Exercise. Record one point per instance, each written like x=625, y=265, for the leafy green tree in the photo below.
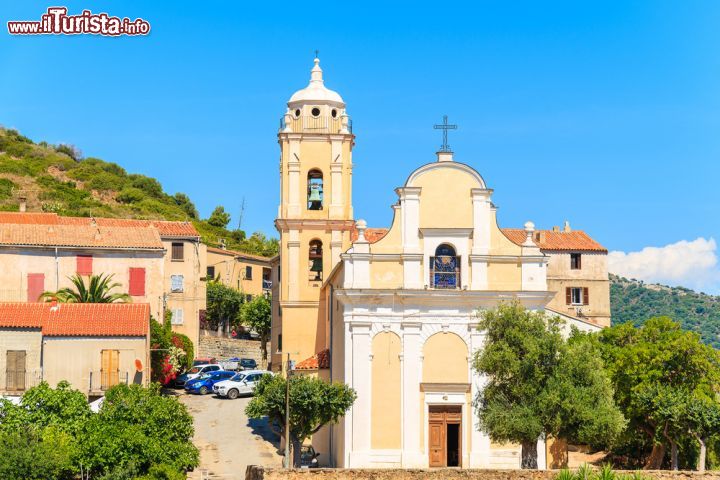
x=656, y=370
x=98, y=290
x=219, y=217
x=29, y=455
x=138, y=426
x=313, y=403
x=255, y=314
x=223, y=304
x=538, y=385
x=184, y=202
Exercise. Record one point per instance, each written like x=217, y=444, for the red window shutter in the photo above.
x=36, y=286
x=84, y=264
x=586, y=296
x=137, y=282
x=568, y=296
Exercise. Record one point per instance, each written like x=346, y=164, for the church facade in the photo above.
x=393, y=312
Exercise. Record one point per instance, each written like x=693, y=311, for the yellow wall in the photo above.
x=440, y=188
x=504, y=276
x=386, y=274
x=445, y=359
x=385, y=408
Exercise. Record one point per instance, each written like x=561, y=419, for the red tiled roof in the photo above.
x=371, y=234
x=164, y=228
x=575, y=240
x=234, y=253
x=79, y=236
x=79, y=319
x=318, y=361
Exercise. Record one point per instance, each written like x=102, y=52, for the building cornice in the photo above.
x=457, y=298
x=285, y=224
x=508, y=258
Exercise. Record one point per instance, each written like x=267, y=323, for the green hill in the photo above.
x=55, y=178
x=635, y=301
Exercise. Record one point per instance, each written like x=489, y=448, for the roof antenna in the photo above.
x=242, y=213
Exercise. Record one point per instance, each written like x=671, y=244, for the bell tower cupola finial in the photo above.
x=316, y=72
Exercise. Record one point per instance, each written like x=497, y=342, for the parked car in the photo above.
x=243, y=383
x=308, y=457
x=195, y=372
x=204, y=361
x=248, y=364
x=204, y=383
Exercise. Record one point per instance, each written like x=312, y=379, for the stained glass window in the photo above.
x=444, y=268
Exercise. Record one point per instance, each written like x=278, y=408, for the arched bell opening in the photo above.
x=315, y=190
x=315, y=261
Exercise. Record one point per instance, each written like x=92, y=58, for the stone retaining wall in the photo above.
x=255, y=472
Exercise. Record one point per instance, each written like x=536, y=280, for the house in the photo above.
x=157, y=262
x=93, y=346
x=243, y=271
x=393, y=312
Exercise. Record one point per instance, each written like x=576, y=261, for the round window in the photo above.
x=333, y=113
x=297, y=113
x=315, y=112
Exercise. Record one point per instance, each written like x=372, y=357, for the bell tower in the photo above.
x=315, y=215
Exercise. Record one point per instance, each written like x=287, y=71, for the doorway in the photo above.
x=445, y=436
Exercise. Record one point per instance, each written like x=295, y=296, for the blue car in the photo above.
x=204, y=383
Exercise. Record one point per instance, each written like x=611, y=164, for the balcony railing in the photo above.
x=310, y=124
x=17, y=382
x=101, y=381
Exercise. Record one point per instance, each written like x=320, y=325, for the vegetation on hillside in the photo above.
x=635, y=301
x=56, y=178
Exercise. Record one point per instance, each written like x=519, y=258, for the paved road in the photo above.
x=228, y=441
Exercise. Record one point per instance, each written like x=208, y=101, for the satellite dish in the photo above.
x=138, y=365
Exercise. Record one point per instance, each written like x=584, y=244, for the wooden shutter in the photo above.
x=15, y=370
x=586, y=296
x=110, y=368
x=137, y=282
x=568, y=295
x=36, y=286
x=84, y=264
x=178, y=252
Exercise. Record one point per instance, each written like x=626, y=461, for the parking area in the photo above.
x=228, y=441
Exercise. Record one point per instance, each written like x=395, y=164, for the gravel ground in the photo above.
x=228, y=441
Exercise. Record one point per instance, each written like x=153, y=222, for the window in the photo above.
x=279, y=343
x=279, y=311
x=315, y=112
x=35, y=286
x=315, y=261
x=211, y=273
x=248, y=272
x=15, y=370
x=178, y=252
x=177, y=316
x=315, y=190
x=577, y=296
x=248, y=298
x=278, y=273
x=137, y=282
x=445, y=268
x=176, y=283
x=84, y=265
x=575, y=261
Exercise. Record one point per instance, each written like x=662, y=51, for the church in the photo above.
x=393, y=312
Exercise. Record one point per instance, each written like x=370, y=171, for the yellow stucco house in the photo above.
x=393, y=312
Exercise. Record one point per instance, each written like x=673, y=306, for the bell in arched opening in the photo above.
x=315, y=190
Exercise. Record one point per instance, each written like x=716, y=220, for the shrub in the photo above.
x=130, y=195
x=6, y=188
x=29, y=455
x=148, y=185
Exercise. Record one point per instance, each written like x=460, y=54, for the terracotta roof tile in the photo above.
x=79, y=319
x=79, y=236
x=165, y=228
x=371, y=234
x=575, y=240
x=318, y=361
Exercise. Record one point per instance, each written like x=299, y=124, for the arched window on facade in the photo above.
x=445, y=268
x=315, y=261
x=315, y=190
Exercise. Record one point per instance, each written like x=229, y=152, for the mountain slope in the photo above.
x=55, y=178
x=635, y=301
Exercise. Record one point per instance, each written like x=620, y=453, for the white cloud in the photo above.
x=692, y=264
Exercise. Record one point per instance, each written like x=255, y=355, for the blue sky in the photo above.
x=606, y=114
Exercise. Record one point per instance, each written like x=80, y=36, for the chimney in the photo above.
x=556, y=228
x=23, y=203
x=566, y=227
x=54, y=305
x=222, y=243
x=540, y=237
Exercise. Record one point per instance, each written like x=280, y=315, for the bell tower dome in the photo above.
x=315, y=214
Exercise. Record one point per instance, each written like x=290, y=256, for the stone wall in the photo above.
x=254, y=472
x=225, y=348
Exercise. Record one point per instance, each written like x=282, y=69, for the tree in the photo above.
x=656, y=370
x=138, y=427
x=313, y=403
x=25, y=453
x=223, y=304
x=219, y=217
x=255, y=314
x=538, y=385
x=98, y=290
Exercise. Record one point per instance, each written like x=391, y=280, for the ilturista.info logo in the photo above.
x=57, y=22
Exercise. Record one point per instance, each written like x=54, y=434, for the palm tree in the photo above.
x=99, y=290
